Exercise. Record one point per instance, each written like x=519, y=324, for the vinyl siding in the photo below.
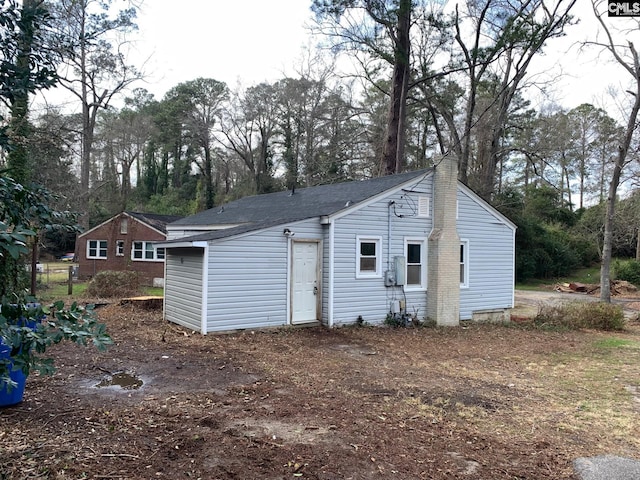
x=182, y=233
x=368, y=297
x=183, y=287
x=490, y=257
x=248, y=286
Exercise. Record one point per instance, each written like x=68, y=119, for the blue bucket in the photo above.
x=13, y=397
x=8, y=398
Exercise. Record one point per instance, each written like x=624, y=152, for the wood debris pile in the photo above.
x=618, y=288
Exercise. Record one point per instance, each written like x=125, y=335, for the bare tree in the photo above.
x=627, y=57
x=495, y=41
x=249, y=127
x=90, y=41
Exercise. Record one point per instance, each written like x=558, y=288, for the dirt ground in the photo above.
x=475, y=402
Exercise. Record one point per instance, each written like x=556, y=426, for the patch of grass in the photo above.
x=583, y=275
x=612, y=343
x=59, y=291
x=155, y=291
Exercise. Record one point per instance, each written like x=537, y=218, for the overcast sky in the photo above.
x=252, y=41
x=228, y=40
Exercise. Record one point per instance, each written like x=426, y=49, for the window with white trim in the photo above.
x=145, y=251
x=464, y=263
x=119, y=248
x=368, y=257
x=416, y=273
x=124, y=226
x=97, y=249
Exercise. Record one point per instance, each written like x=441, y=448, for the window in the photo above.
x=124, y=225
x=368, y=262
x=97, y=249
x=464, y=263
x=145, y=251
x=414, y=252
x=120, y=248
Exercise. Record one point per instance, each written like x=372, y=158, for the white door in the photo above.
x=305, y=289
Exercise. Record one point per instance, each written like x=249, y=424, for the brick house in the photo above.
x=125, y=242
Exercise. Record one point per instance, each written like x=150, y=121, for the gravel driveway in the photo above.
x=604, y=467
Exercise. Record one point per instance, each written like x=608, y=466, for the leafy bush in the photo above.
x=110, y=284
x=596, y=315
x=27, y=330
x=628, y=270
x=544, y=251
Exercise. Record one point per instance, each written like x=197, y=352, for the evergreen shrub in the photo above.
x=628, y=270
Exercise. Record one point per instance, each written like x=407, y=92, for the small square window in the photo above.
x=368, y=261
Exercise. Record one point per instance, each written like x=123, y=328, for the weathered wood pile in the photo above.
x=618, y=287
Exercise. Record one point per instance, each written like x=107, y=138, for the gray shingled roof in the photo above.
x=159, y=222
x=263, y=211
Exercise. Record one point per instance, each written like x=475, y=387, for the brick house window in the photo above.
x=120, y=248
x=97, y=249
x=145, y=251
x=124, y=226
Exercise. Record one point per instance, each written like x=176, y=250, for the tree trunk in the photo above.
x=621, y=160
x=393, y=147
x=605, y=266
x=208, y=178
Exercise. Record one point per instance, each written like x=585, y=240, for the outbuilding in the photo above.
x=340, y=254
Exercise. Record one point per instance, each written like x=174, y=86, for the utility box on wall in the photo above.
x=400, y=267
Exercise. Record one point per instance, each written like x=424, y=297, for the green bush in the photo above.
x=628, y=270
x=110, y=284
x=27, y=330
x=596, y=315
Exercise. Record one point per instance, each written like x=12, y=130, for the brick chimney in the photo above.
x=443, y=260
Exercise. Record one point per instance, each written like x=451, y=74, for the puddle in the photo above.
x=124, y=380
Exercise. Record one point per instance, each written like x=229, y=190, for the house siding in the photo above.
x=369, y=297
x=248, y=275
x=177, y=233
x=490, y=256
x=110, y=232
x=183, y=287
x=248, y=278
